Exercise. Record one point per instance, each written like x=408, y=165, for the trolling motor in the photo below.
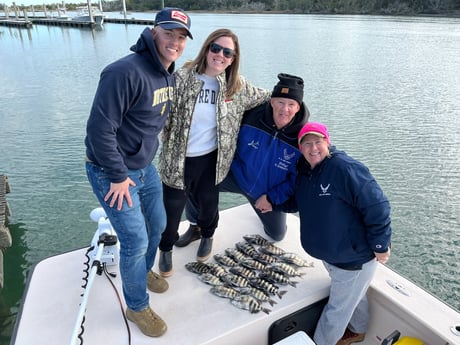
x=106, y=235
x=104, y=251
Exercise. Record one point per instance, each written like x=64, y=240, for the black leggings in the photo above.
x=200, y=180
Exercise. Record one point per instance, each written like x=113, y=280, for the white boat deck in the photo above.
x=195, y=316
x=192, y=313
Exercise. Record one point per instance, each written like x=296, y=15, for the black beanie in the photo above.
x=289, y=86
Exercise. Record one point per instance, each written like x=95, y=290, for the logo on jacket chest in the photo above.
x=324, y=190
x=286, y=160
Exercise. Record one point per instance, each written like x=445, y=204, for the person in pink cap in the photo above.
x=345, y=222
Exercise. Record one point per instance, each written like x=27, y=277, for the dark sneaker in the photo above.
x=350, y=337
x=193, y=233
x=155, y=283
x=204, y=250
x=148, y=321
x=165, y=264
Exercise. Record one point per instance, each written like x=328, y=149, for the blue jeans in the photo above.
x=274, y=222
x=347, y=305
x=138, y=228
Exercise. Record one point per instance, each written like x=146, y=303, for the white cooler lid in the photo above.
x=298, y=338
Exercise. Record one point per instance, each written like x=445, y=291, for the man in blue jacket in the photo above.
x=264, y=167
x=129, y=110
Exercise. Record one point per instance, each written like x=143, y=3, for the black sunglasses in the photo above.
x=216, y=48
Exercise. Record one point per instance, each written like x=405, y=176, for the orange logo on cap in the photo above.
x=285, y=90
x=179, y=16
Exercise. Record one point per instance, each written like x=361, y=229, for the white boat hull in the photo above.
x=195, y=316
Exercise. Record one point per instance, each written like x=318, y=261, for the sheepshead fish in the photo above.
x=258, y=294
x=210, y=279
x=243, y=271
x=293, y=258
x=253, y=264
x=234, y=280
x=266, y=286
x=276, y=278
x=224, y=291
x=271, y=249
x=246, y=248
x=197, y=267
x=256, y=239
x=216, y=269
x=249, y=303
x=225, y=260
x=236, y=254
x=265, y=258
x=285, y=269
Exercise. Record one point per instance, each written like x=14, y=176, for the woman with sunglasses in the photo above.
x=199, y=138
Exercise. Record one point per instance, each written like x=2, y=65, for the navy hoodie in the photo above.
x=344, y=215
x=129, y=110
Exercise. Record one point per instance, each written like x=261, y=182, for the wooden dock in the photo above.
x=20, y=23
x=129, y=21
x=63, y=22
x=27, y=23
x=5, y=236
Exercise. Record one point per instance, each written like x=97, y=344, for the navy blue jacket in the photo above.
x=266, y=157
x=344, y=215
x=129, y=110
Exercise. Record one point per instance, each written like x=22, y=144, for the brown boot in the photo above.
x=350, y=337
x=155, y=283
x=148, y=321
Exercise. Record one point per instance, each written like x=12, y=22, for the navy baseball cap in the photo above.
x=174, y=18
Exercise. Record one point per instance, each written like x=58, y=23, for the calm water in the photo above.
x=389, y=89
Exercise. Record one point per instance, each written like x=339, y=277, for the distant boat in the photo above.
x=83, y=15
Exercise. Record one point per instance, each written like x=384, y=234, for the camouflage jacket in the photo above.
x=229, y=115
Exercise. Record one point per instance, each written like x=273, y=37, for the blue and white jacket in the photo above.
x=266, y=157
x=344, y=215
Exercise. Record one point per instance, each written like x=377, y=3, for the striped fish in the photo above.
x=225, y=260
x=216, y=269
x=210, y=279
x=249, y=303
x=234, y=280
x=266, y=286
x=197, y=267
x=285, y=269
x=276, y=278
x=236, y=254
x=292, y=258
x=258, y=294
x=271, y=249
x=253, y=264
x=246, y=248
x=224, y=291
x=256, y=239
x=243, y=271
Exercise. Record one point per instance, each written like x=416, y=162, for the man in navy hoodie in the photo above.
x=129, y=110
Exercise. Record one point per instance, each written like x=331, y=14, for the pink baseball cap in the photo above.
x=315, y=128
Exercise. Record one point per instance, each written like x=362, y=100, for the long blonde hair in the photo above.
x=231, y=72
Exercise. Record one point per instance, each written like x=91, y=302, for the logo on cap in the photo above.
x=179, y=16
x=284, y=90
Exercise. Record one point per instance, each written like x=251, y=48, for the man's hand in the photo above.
x=120, y=191
x=383, y=257
x=263, y=205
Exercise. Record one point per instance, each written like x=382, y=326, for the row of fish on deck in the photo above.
x=251, y=273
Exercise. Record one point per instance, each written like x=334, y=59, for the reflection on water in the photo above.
x=388, y=89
